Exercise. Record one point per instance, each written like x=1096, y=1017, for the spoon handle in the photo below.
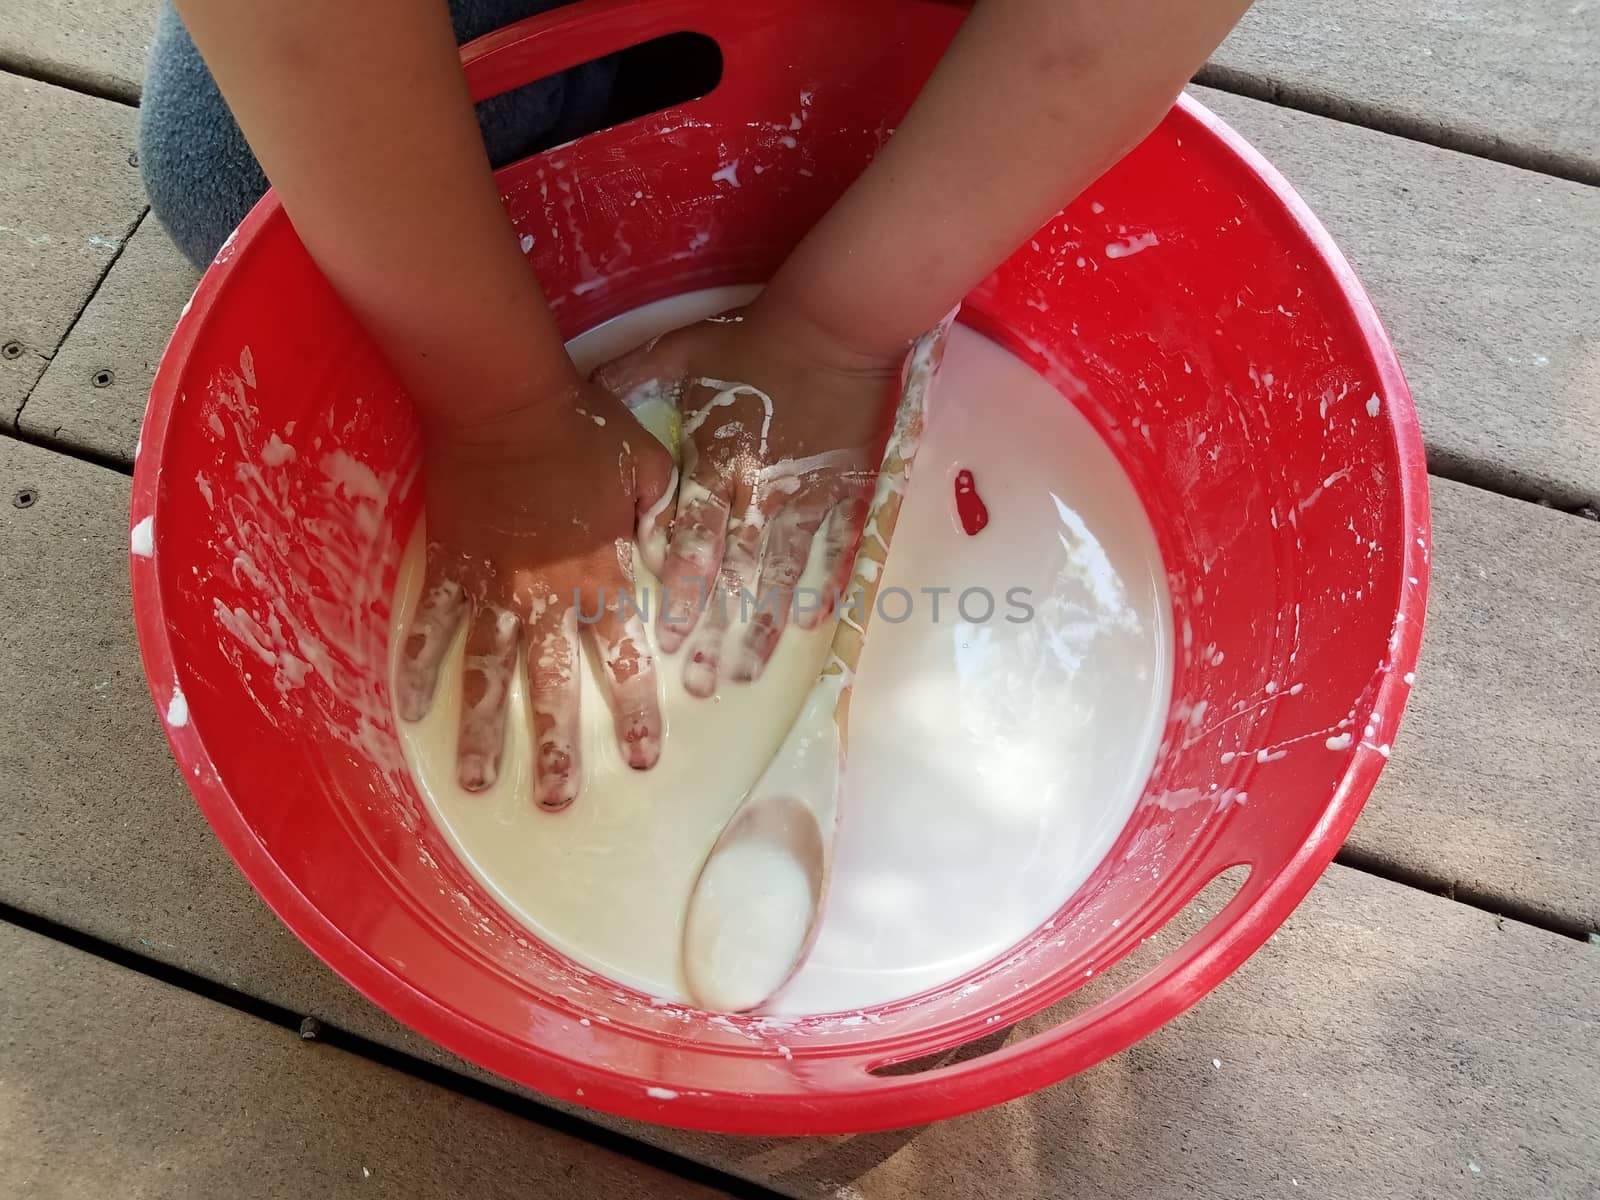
x=917, y=374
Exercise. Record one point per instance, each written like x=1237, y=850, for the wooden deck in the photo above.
x=1425, y=1024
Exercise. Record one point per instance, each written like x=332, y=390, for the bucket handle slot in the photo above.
x=1285, y=861
x=569, y=36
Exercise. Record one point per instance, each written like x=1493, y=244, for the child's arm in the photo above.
x=361, y=118
x=1032, y=102
x=359, y=114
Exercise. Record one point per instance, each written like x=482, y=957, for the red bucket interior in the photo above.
x=1188, y=304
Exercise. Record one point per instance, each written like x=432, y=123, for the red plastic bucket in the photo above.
x=1188, y=303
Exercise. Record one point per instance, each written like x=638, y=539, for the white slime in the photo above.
x=992, y=761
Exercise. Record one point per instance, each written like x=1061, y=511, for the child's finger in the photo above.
x=788, y=546
x=553, y=691
x=841, y=537
x=655, y=527
x=486, y=670
x=428, y=638
x=628, y=677
x=656, y=497
x=704, y=657
x=694, y=553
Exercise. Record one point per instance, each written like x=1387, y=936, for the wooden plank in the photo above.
x=1447, y=245
x=116, y=1084
x=1488, y=278
x=96, y=45
x=1496, y=76
x=1502, y=77
x=1491, y=787
x=69, y=195
x=92, y=395
x=100, y=814
x=1384, y=1044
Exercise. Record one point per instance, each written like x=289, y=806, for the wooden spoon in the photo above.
x=754, y=909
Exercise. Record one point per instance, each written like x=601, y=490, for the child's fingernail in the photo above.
x=748, y=668
x=700, y=675
x=643, y=747
x=640, y=738
x=558, y=795
x=475, y=772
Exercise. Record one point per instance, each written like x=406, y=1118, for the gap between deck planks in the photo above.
x=91, y=396
x=69, y=196
x=1502, y=78
x=170, y=1095
x=1446, y=818
x=94, y=46
x=1426, y=1030
x=1509, y=79
x=1549, y=277
x=1488, y=278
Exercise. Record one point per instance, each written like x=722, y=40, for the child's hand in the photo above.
x=527, y=517
x=783, y=430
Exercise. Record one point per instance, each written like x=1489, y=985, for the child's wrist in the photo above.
x=804, y=329
x=468, y=415
x=480, y=397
